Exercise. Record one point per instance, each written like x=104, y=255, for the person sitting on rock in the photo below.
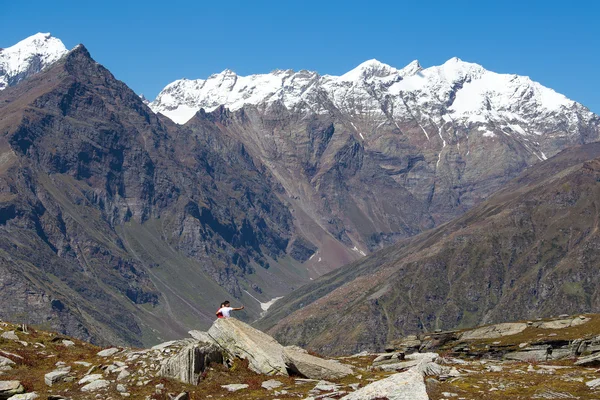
x=225, y=310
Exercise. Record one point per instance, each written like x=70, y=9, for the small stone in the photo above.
x=324, y=386
x=55, y=376
x=494, y=368
x=10, y=335
x=121, y=388
x=234, y=387
x=123, y=374
x=84, y=363
x=95, y=385
x=6, y=362
x=68, y=343
x=90, y=378
x=108, y=352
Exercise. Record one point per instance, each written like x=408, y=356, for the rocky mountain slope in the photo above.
x=528, y=251
x=119, y=226
x=380, y=153
x=28, y=57
x=555, y=358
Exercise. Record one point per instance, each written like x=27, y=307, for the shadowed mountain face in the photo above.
x=119, y=226
x=531, y=250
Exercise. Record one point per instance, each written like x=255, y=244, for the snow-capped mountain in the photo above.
x=454, y=91
x=28, y=57
x=380, y=153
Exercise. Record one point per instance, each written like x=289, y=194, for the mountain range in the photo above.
x=129, y=222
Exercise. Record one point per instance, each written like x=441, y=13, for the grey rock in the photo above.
x=121, y=388
x=84, y=363
x=314, y=367
x=495, y=331
x=407, y=385
x=55, y=376
x=234, y=387
x=593, y=384
x=10, y=388
x=90, y=378
x=95, y=385
x=10, y=335
x=271, y=384
x=188, y=363
x=108, y=352
x=6, y=361
x=589, y=361
x=201, y=336
x=265, y=354
x=68, y=343
x=180, y=396
x=123, y=374
x=24, y=396
x=325, y=386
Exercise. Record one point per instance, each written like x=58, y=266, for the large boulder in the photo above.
x=191, y=360
x=407, y=385
x=265, y=354
x=314, y=367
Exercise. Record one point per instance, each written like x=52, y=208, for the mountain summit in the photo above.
x=28, y=57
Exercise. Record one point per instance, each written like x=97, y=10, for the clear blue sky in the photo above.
x=148, y=44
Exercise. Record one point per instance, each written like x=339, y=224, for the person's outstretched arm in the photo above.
x=239, y=308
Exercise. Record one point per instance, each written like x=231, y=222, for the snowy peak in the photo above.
x=457, y=91
x=369, y=69
x=411, y=69
x=28, y=57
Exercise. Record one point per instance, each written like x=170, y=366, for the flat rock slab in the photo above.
x=407, y=385
x=563, y=323
x=495, y=331
x=95, y=385
x=234, y=387
x=271, y=384
x=314, y=367
x=10, y=388
x=265, y=354
x=55, y=376
x=108, y=352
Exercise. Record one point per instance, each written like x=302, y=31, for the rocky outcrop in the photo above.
x=238, y=339
x=190, y=361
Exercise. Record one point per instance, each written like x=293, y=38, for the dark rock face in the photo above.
x=528, y=251
x=119, y=226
